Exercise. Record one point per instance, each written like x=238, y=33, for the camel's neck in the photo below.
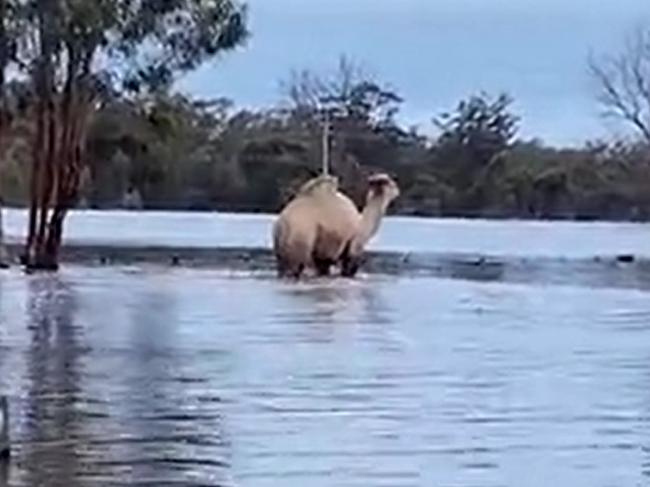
x=371, y=216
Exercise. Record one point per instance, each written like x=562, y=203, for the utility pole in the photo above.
x=328, y=107
x=326, y=144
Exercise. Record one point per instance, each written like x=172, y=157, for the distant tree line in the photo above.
x=159, y=149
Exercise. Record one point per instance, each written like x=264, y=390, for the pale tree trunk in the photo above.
x=62, y=118
x=4, y=118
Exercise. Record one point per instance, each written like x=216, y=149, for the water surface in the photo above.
x=498, y=238
x=147, y=376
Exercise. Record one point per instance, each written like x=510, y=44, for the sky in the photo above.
x=436, y=52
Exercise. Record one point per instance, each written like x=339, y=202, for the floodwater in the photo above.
x=506, y=238
x=156, y=376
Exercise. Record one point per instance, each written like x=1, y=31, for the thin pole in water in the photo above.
x=5, y=448
x=4, y=261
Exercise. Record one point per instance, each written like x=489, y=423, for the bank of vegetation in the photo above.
x=166, y=150
x=89, y=118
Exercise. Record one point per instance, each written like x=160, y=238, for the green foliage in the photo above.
x=141, y=45
x=79, y=54
x=480, y=123
x=471, y=138
x=182, y=153
x=155, y=40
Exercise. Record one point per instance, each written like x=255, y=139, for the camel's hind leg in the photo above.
x=287, y=269
x=291, y=272
x=282, y=269
x=293, y=261
x=350, y=267
x=297, y=271
x=322, y=266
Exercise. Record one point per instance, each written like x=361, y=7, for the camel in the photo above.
x=321, y=227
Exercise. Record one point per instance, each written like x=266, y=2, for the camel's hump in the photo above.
x=319, y=182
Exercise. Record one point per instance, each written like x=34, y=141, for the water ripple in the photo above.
x=196, y=378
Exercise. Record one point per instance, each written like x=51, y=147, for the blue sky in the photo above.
x=436, y=52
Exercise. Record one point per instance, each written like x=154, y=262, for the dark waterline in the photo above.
x=129, y=376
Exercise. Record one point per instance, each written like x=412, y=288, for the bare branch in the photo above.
x=638, y=65
x=624, y=84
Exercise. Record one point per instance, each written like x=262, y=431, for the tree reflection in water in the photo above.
x=52, y=448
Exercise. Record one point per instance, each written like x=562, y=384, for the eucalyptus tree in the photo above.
x=78, y=54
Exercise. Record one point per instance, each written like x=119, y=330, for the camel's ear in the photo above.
x=379, y=180
x=389, y=176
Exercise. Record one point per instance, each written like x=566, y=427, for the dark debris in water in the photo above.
x=625, y=258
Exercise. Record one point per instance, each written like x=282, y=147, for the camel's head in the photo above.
x=382, y=186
